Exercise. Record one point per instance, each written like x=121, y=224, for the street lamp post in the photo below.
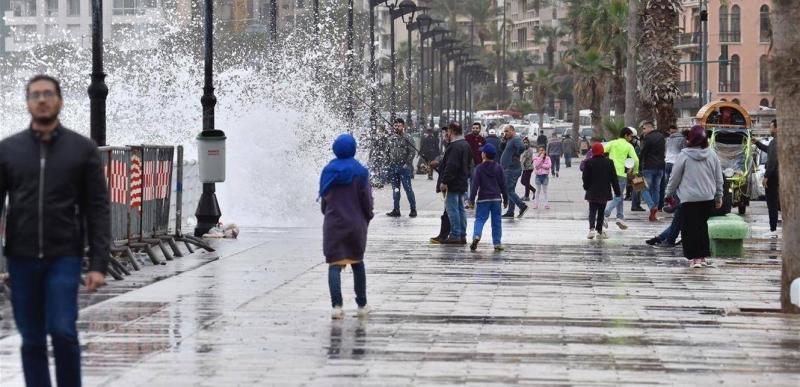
x=316, y=17
x=208, y=212
x=395, y=12
x=273, y=20
x=98, y=91
x=373, y=113
x=350, y=114
x=408, y=9
x=423, y=24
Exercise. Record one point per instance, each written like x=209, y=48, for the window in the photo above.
x=735, y=76
x=522, y=35
x=25, y=33
x=73, y=8
x=764, y=102
x=765, y=30
x=735, y=26
x=763, y=74
x=132, y=7
x=723, y=75
x=52, y=8
x=723, y=23
x=523, y=6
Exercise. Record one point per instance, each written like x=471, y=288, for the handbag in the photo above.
x=638, y=183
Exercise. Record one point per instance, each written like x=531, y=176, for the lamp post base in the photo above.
x=208, y=212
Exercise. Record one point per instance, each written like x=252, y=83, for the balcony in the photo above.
x=687, y=88
x=730, y=37
x=729, y=87
x=690, y=40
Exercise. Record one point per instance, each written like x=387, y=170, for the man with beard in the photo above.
x=429, y=151
x=57, y=200
x=401, y=158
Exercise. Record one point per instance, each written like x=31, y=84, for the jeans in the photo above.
x=526, y=182
x=541, y=190
x=664, y=181
x=618, y=200
x=652, y=194
x=482, y=212
x=773, y=202
x=457, y=214
x=512, y=175
x=402, y=176
x=44, y=297
x=359, y=279
x=567, y=160
x=596, y=215
x=670, y=235
x=556, y=160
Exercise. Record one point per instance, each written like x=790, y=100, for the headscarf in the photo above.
x=598, y=149
x=698, y=137
x=342, y=169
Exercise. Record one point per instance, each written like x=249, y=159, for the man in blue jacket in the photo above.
x=512, y=168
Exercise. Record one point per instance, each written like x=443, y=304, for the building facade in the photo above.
x=739, y=36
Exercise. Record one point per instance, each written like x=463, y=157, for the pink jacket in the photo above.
x=541, y=165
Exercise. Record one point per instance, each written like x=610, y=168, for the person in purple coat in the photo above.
x=346, y=200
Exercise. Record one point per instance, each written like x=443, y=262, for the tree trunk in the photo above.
x=521, y=84
x=630, y=69
x=576, y=118
x=665, y=116
x=541, y=118
x=785, y=73
x=605, y=104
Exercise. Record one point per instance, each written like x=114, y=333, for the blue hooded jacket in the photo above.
x=342, y=169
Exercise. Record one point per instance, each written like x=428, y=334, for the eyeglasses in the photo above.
x=47, y=94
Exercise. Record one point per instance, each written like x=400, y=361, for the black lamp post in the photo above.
x=316, y=17
x=424, y=23
x=98, y=91
x=373, y=113
x=349, y=114
x=438, y=35
x=208, y=212
x=273, y=20
x=408, y=10
x=395, y=12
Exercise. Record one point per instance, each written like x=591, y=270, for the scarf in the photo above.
x=342, y=169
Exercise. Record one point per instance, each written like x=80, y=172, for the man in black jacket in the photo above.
x=652, y=157
x=771, y=182
x=458, y=164
x=56, y=189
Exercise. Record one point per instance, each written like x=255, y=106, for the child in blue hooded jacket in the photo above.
x=489, y=186
x=346, y=200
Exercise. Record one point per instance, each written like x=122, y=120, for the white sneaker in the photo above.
x=770, y=235
x=602, y=235
x=621, y=224
x=591, y=235
x=605, y=221
x=363, y=311
x=337, y=313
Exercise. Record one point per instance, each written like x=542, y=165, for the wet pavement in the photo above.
x=554, y=309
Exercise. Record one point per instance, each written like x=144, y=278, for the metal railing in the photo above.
x=730, y=37
x=689, y=38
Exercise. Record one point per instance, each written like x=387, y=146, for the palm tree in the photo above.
x=550, y=36
x=630, y=63
x=541, y=84
x=785, y=74
x=449, y=9
x=481, y=12
x=659, y=70
x=518, y=61
x=591, y=69
x=603, y=25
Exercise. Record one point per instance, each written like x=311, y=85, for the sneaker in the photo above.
x=363, y=311
x=454, y=241
x=591, y=235
x=337, y=313
x=508, y=215
x=393, y=214
x=653, y=241
x=546, y=206
x=652, y=216
x=522, y=211
x=556, y=174
x=696, y=264
x=637, y=209
x=605, y=221
x=474, y=245
x=770, y=235
x=412, y=214
x=526, y=199
x=535, y=206
x=703, y=262
x=602, y=235
x=436, y=240
x=621, y=224
x=499, y=248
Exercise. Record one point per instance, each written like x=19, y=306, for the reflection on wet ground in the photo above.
x=554, y=309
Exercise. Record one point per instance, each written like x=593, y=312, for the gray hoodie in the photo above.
x=696, y=176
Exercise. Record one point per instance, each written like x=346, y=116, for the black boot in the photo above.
x=394, y=214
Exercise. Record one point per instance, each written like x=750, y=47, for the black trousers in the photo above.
x=526, y=182
x=694, y=229
x=596, y=211
x=773, y=203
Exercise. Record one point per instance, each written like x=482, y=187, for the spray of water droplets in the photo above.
x=280, y=106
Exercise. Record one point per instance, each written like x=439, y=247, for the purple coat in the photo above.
x=347, y=210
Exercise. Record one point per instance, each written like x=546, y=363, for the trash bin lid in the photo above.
x=211, y=135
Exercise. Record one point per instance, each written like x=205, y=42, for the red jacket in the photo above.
x=476, y=141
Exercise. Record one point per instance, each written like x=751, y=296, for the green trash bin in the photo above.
x=727, y=234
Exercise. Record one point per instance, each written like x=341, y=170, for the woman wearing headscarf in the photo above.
x=697, y=180
x=346, y=199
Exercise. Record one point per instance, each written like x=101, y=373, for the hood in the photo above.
x=698, y=154
x=490, y=169
x=344, y=147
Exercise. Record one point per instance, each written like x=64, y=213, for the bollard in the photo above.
x=727, y=234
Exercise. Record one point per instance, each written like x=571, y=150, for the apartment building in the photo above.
x=525, y=20
x=738, y=44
